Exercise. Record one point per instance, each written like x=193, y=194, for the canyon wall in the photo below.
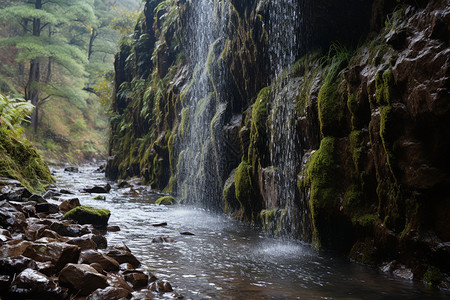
x=326, y=121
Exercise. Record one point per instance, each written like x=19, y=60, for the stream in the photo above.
x=227, y=259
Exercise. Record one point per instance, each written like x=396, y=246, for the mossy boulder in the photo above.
x=166, y=200
x=89, y=215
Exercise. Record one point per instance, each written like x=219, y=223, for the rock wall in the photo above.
x=345, y=148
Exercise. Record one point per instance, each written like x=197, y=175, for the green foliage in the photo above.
x=13, y=112
x=386, y=135
x=433, y=276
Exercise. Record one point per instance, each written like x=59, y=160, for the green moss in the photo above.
x=183, y=124
x=384, y=82
x=433, y=276
x=386, y=134
x=21, y=161
x=267, y=218
x=244, y=189
x=356, y=143
x=364, y=252
x=353, y=200
x=331, y=109
x=89, y=215
x=320, y=175
x=166, y=200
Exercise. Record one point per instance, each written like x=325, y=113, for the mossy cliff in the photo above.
x=366, y=123
x=20, y=160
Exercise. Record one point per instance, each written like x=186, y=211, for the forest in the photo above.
x=224, y=149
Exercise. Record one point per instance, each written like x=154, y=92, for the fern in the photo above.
x=13, y=112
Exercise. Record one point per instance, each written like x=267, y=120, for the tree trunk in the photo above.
x=32, y=90
x=94, y=34
x=49, y=65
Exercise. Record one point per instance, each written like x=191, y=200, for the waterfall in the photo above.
x=201, y=100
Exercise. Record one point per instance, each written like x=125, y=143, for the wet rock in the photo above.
x=109, y=293
x=122, y=184
x=11, y=218
x=46, y=268
x=99, y=197
x=137, y=279
x=163, y=239
x=91, y=256
x=123, y=256
x=37, y=198
x=35, y=285
x=186, y=233
x=82, y=279
x=15, y=265
x=98, y=189
x=47, y=208
x=14, y=248
x=19, y=194
x=34, y=231
x=66, y=192
x=69, y=204
x=51, y=194
x=166, y=200
x=159, y=224
x=126, y=267
x=67, y=228
x=160, y=287
x=85, y=242
x=4, y=283
x=97, y=267
x=88, y=215
x=116, y=280
x=114, y=228
x=57, y=253
x=29, y=210
x=10, y=182
x=100, y=169
x=71, y=169
x=100, y=240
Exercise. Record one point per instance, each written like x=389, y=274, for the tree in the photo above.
x=39, y=51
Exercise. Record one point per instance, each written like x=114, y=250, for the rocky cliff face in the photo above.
x=290, y=125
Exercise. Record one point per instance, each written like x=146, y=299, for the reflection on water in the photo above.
x=226, y=259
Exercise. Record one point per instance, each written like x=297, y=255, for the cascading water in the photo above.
x=197, y=166
x=285, y=152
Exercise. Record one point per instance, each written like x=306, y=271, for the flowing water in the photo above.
x=226, y=259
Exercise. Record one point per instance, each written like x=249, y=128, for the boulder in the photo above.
x=15, y=265
x=11, y=218
x=85, y=242
x=51, y=194
x=116, y=280
x=82, y=279
x=160, y=286
x=66, y=192
x=136, y=278
x=13, y=193
x=98, y=189
x=69, y=204
x=89, y=215
x=14, y=248
x=31, y=284
x=71, y=169
x=124, y=256
x=113, y=228
x=47, y=208
x=109, y=293
x=67, y=228
x=91, y=256
x=57, y=253
x=37, y=198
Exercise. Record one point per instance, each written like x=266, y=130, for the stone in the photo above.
x=67, y=228
x=89, y=215
x=186, y=233
x=91, y=256
x=100, y=240
x=82, y=278
x=137, y=279
x=14, y=248
x=51, y=194
x=159, y=224
x=97, y=267
x=35, y=285
x=160, y=286
x=85, y=242
x=11, y=218
x=71, y=169
x=166, y=200
x=15, y=265
x=57, y=253
x=66, y=192
x=126, y=267
x=98, y=189
x=69, y=204
x=116, y=280
x=19, y=194
x=163, y=239
x=47, y=208
x=123, y=256
x=109, y=293
x=4, y=283
x=37, y=198
x=99, y=197
x=113, y=228
x=34, y=231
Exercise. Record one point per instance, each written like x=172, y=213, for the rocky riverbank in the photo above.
x=56, y=249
